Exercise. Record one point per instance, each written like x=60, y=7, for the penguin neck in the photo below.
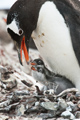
x=48, y=73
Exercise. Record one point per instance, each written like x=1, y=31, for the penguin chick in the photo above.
x=48, y=78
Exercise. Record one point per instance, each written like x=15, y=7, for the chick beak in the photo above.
x=33, y=63
x=24, y=48
x=33, y=68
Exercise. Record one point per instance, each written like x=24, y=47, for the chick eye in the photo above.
x=39, y=62
x=20, y=31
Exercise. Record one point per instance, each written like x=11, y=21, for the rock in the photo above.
x=77, y=114
x=34, y=109
x=4, y=117
x=20, y=109
x=30, y=105
x=67, y=114
x=37, y=103
x=62, y=104
x=52, y=119
x=75, y=108
x=9, y=84
x=33, y=118
x=22, y=93
x=71, y=104
x=44, y=100
x=3, y=69
x=78, y=104
x=77, y=94
x=69, y=109
x=71, y=97
x=46, y=115
x=53, y=106
x=61, y=118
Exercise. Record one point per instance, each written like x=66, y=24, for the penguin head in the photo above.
x=21, y=21
x=38, y=70
x=38, y=65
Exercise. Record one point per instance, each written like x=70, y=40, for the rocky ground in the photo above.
x=20, y=97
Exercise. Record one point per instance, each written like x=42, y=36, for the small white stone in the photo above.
x=70, y=104
x=3, y=69
x=67, y=114
x=62, y=103
x=68, y=109
x=36, y=103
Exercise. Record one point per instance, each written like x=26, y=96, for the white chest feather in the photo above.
x=39, y=77
x=53, y=40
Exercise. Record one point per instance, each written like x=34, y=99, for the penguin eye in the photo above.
x=20, y=31
x=39, y=62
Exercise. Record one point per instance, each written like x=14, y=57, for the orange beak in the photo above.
x=23, y=47
x=33, y=68
x=33, y=63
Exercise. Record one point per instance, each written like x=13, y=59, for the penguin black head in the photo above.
x=38, y=70
x=37, y=62
x=38, y=65
x=21, y=21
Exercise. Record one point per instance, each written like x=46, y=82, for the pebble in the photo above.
x=67, y=114
x=69, y=109
x=46, y=115
x=62, y=104
x=77, y=114
x=50, y=105
x=71, y=104
x=20, y=110
x=3, y=69
x=37, y=103
x=75, y=108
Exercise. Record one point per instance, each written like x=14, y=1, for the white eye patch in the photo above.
x=14, y=27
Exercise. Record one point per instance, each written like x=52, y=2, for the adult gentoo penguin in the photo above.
x=55, y=27
x=48, y=78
